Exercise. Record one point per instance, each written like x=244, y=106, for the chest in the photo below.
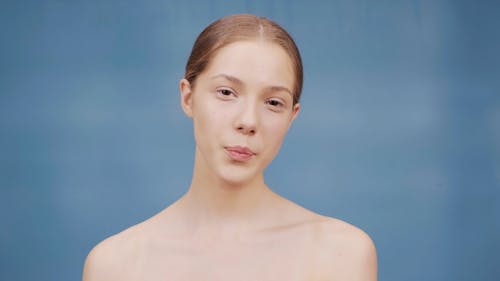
x=241, y=260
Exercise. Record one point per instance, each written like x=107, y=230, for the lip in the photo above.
x=239, y=153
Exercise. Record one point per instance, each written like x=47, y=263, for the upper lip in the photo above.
x=240, y=149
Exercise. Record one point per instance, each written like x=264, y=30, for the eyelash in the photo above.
x=225, y=92
x=277, y=103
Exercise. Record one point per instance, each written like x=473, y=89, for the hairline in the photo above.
x=261, y=38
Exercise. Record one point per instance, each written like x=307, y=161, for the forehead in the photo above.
x=257, y=61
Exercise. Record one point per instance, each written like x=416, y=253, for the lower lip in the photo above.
x=238, y=156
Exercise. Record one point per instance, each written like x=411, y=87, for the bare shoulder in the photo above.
x=347, y=252
x=343, y=235
x=341, y=251
x=108, y=259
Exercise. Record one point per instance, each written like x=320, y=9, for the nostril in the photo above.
x=245, y=130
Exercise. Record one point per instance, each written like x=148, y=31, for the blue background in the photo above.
x=399, y=131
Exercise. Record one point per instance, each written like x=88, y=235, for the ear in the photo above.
x=186, y=97
x=295, y=111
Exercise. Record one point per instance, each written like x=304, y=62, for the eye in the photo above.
x=275, y=103
x=225, y=93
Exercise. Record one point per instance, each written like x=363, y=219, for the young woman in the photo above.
x=241, y=88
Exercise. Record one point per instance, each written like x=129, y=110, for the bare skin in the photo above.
x=230, y=225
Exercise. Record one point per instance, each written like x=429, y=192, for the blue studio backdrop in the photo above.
x=399, y=131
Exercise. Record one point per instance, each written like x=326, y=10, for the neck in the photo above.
x=212, y=201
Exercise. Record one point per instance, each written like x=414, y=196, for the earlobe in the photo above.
x=186, y=97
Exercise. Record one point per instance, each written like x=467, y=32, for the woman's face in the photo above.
x=242, y=106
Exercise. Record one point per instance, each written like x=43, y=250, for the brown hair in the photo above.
x=239, y=27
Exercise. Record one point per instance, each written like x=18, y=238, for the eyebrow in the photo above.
x=239, y=82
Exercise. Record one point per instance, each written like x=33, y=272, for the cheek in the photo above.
x=275, y=131
x=208, y=121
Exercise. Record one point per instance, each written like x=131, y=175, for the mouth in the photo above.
x=239, y=153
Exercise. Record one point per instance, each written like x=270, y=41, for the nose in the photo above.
x=247, y=119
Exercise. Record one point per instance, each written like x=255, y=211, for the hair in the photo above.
x=242, y=27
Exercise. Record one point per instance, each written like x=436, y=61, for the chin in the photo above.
x=238, y=177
